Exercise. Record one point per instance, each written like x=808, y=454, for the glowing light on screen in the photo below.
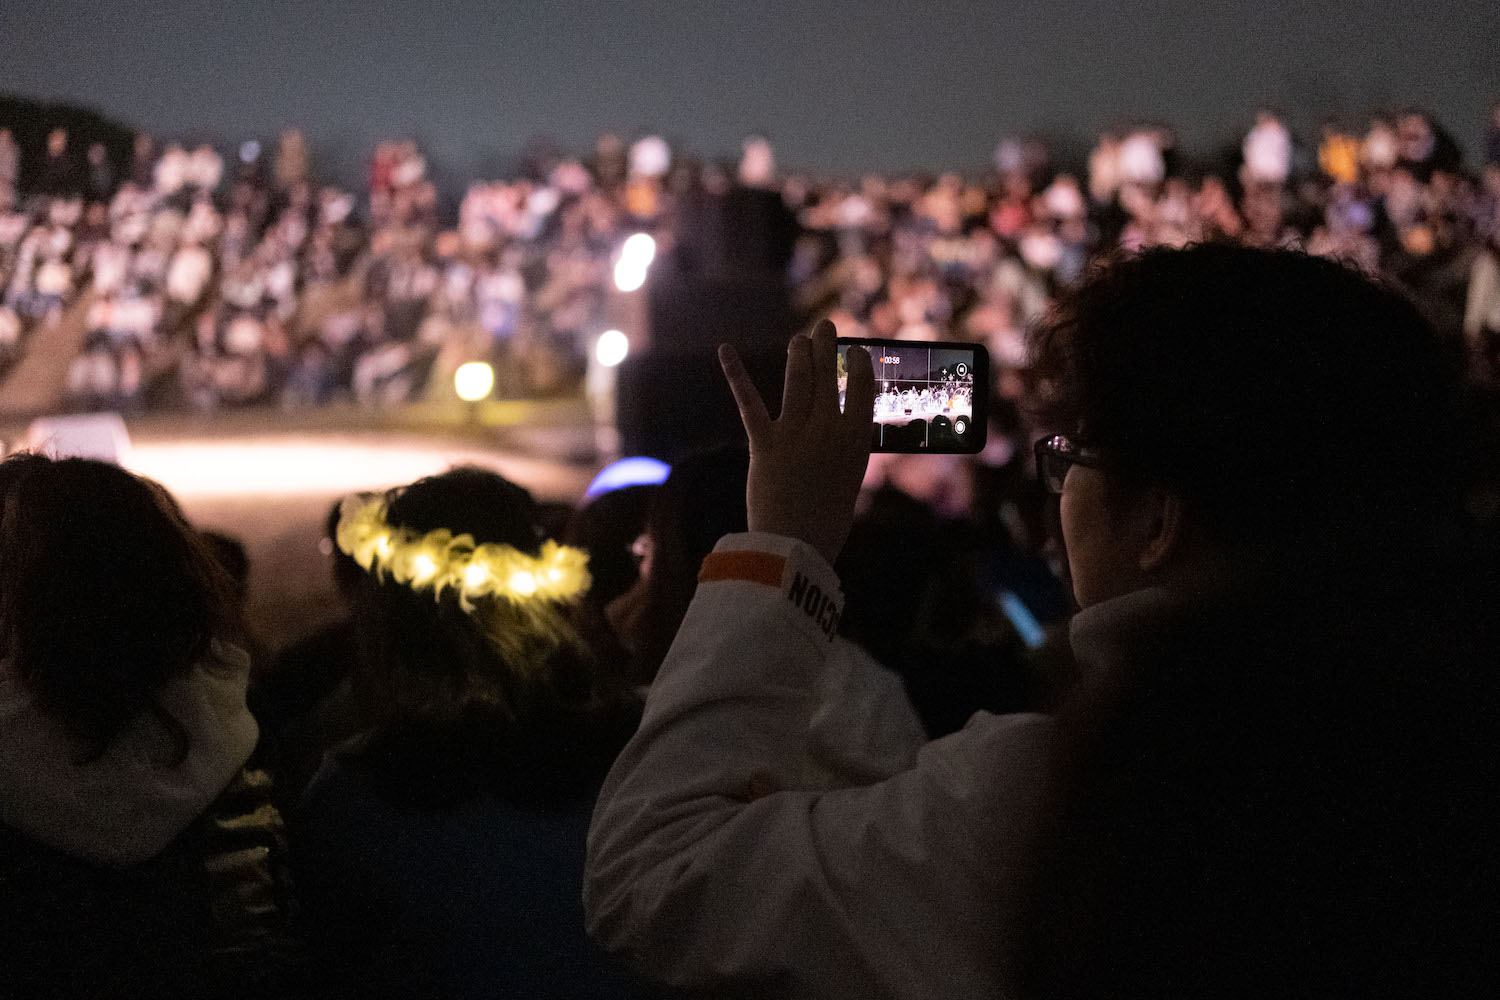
x=473, y=381
x=611, y=348
x=636, y=471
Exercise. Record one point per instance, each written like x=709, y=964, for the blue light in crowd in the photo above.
x=1021, y=617
x=638, y=471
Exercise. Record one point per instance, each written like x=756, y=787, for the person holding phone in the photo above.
x=713, y=858
x=1259, y=450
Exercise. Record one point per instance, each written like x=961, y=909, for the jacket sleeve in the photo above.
x=864, y=728
x=711, y=863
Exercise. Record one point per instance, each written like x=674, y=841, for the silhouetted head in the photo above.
x=106, y=592
x=607, y=527
x=451, y=704
x=1226, y=398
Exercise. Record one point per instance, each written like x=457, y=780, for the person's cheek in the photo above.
x=1087, y=550
x=1072, y=542
x=1069, y=508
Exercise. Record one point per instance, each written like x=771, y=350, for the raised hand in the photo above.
x=806, y=466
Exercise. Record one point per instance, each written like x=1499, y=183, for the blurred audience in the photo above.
x=251, y=284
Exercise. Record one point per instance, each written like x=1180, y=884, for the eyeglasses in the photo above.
x=1055, y=455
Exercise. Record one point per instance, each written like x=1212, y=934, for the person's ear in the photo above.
x=1164, y=529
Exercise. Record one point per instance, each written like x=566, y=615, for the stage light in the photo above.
x=473, y=381
x=522, y=583
x=629, y=277
x=636, y=471
x=611, y=348
x=639, y=247
x=636, y=255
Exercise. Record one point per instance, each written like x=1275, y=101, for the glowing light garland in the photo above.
x=439, y=560
x=521, y=618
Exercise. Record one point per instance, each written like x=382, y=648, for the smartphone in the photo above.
x=931, y=397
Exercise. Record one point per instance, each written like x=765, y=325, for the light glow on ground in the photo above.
x=328, y=465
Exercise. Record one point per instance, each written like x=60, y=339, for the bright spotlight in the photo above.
x=629, y=276
x=639, y=247
x=636, y=255
x=611, y=348
x=473, y=381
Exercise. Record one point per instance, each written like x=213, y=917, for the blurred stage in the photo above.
x=269, y=479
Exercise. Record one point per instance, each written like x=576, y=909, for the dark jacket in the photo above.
x=1279, y=789
x=423, y=879
x=209, y=917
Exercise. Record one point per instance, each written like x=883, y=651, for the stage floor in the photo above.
x=272, y=490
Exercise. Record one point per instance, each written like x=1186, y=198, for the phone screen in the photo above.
x=930, y=397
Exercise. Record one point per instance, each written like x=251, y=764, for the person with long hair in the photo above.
x=138, y=855
x=442, y=848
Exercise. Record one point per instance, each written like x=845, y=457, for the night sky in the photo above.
x=842, y=85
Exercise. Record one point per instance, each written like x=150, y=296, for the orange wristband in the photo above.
x=752, y=567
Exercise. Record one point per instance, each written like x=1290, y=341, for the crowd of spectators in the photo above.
x=213, y=281
x=780, y=741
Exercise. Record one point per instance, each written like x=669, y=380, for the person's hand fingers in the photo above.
x=796, y=393
x=825, y=362
x=752, y=408
x=859, y=390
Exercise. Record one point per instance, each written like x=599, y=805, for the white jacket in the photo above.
x=715, y=860
x=126, y=805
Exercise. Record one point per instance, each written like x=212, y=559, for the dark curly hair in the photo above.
x=1283, y=395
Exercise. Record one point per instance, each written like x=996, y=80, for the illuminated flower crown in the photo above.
x=521, y=618
x=440, y=560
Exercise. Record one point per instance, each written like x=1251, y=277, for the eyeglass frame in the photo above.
x=1061, y=447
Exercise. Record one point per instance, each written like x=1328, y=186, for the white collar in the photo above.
x=125, y=807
